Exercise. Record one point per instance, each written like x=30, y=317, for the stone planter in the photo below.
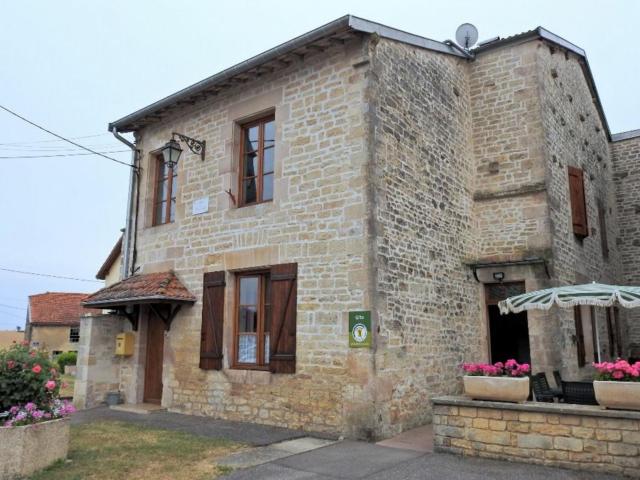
x=501, y=389
x=618, y=395
x=24, y=450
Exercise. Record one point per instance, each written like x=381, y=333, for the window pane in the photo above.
x=266, y=348
x=268, y=160
x=248, y=290
x=267, y=187
x=161, y=192
x=161, y=212
x=269, y=134
x=249, y=190
x=247, y=349
x=174, y=186
x=248, y=320
x=250, y=165
x=251, y=139
x=172, y=214
x=164, y=168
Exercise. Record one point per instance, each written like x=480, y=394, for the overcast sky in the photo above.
x=73, y=66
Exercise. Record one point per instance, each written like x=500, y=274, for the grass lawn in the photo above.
x=70, y=382
x=123, y=451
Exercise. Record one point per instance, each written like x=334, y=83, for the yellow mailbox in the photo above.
x=124, y=343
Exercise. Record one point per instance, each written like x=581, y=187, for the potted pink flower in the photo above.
x=503, y=382
x=617, y=384
x=32, y=416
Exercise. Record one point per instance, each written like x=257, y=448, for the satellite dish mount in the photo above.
x=466, y=36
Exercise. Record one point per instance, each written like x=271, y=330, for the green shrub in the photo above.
x=26, y=375
x=66, y=358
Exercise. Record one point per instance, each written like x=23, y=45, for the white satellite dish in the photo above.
x=466, y=35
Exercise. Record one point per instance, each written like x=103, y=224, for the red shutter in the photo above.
x=212, y=321
x=577, y=316
x=578, y=205
x=284, y=304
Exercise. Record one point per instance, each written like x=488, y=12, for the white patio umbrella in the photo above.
x=571, y=295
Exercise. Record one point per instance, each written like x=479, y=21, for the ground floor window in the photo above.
x=74, y=334
x=253, y=319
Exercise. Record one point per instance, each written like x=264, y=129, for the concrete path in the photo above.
x=355, y=460
x=248, y=433
x=419, y=439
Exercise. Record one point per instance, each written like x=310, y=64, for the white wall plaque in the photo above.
x=200, y=206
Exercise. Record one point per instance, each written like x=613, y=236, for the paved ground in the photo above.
x=249, y=433
x=354, y=460
x=419, y=439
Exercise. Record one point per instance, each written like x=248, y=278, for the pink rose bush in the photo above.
x=510, y=368
x=619, y=371
x=29, y=387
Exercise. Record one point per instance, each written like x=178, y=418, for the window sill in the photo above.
x=248, y=376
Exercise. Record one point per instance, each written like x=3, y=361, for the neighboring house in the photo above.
x=110, y=271
x=53, y=321
x=362, y=168
x=9, y=337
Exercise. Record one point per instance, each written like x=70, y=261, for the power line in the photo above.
x=49, y=275
x=11, y=306
x=63, y=138
x=62, y=155
x=50, y=141
x=2, y=312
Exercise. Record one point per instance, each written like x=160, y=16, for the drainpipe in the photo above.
x=132, y=187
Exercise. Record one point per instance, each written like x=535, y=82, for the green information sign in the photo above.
x=360, y=329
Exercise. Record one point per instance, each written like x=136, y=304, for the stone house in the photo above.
x=53, y=321
x=359, y=168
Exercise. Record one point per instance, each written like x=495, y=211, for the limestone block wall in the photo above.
x=52, y=338
x=510, y=208
x=422, y=179
x=98, y=368
x=317, y=220
x=626, y=165
x=569, y=436
x=574, y=135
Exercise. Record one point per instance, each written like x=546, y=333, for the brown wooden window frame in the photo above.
x=260, y=174
x=580, y=350
x=264, y=303
x=170, y=194
x=577, y=197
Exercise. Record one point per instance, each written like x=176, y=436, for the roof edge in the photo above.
x=108, y=263
x=629, y=134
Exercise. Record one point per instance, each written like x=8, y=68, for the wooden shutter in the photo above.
x=617, y=331
x=284, y=304
x=577, y=316
x=578, y=205
x=212, y=321
x=611, y=334
x=594, y=333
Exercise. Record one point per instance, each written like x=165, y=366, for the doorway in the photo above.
x=508, y=334
x=154, y=357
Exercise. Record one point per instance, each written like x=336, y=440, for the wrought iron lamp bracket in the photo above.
x=196, y=146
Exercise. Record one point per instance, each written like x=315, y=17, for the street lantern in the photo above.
x=171, y=151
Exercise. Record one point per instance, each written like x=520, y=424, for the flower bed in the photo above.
x=617, y=385
x=34, y=431
x=506, y=382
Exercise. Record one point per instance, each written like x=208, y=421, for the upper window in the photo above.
x=74, y=334
x=166, y=186
x=257, y=160
x=253, y=319
x=578, y=204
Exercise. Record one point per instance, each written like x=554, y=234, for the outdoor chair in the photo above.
x=541, y=389
x=581, y=393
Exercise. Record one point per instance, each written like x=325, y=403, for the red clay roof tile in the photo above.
x=57, y=308
x=145, y=288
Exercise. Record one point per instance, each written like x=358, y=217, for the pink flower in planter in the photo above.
x=36, y=368
x=50, y=385
x=30, y=407
x=617, y=375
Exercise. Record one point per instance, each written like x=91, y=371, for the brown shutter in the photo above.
x=578, y=205
x=594, y=333
x=577, y=316
x=284, y=304
x=618, y=331
x=610, y=333
x=212, y=320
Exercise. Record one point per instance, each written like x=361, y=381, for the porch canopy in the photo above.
x=163, y=292
x=594, y=293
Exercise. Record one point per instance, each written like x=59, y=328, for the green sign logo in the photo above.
x=360, y=329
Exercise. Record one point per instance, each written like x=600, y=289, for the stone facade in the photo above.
x=626, y=162
x=52, y=338
x=569, y=436
x=396, y=167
